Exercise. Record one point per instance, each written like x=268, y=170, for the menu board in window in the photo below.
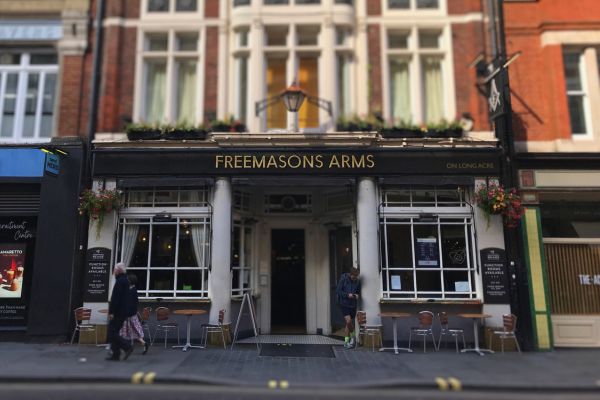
x=427, y=252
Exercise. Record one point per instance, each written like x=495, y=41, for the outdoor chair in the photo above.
x=205, y=329
x=82, y=323
x=446, y=331
x=508, y=331
x=144, y=317
x=367, y=330
x=164, y=325
x=424, y=329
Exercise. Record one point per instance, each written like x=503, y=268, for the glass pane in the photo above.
x=10, y=59
x=398, y=197
x=341, y=35
x=307, y=35
x=241, y=3
x=186, y=5
x=405, y=4
x=43, y=59
x=31, y=99
x=141, y=275
x=139, y=236
x=456, y=281
x=399, y=250
x=191, y=198
x=308, y=77
x=276, y=35
x=572, y=71
x=426, y=246
x=235, y=247
x=343, y=76
x=161, y=280
x=158, y=5
x=454, y=247
x=189, y=280
x=273, y=2
x=424, y=197
x=308, y=1
x=242, y=37
x=186, y=91
x=247, y=247
x=448, y=197
x=188, y=241
x=343, y=2
x=163, y=246
x=140, y=198
x=398, y=39
x=429, y=40
x=276, y=83
x=157, y=42
x=48, y=106
x=155, y=91
x=242, y=88
x=577, y=114
x=401, y=281
x=10, y=101
x=187, y=41
x=434, y=90
x=427, y=4
x=166, y=198
x=400, y=91
x=428, y=281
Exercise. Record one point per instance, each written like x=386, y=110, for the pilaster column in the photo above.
x=368, y=248
x=220, y=277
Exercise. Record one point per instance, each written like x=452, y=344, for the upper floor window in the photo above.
x=299, y=2
x=577, y=92
x=169, y=88
x=27, y=95
x=164, y=6
x=416, y=60
x=413, y=4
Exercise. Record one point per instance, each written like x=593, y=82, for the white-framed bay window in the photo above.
x=417, y=82
x=168, y=82
x=427, y=245
x=162, y=8
x=241, y=64
x=164, y=239
x=27, y=94
x=576, y=65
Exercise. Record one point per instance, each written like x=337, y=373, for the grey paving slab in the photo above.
x=558, y=370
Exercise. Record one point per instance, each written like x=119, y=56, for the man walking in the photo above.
x=347, y=290
x=117, y=314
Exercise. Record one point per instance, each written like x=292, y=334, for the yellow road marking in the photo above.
x=455, y=384
x=284, y=384
x=137, y=377
x=272, y=384
x=442, y=383
x=149, y=378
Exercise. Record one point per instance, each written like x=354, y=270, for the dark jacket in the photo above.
x=132, y=304
x=346, y=286
x=120, y=297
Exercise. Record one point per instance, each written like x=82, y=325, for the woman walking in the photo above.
x=132, y=328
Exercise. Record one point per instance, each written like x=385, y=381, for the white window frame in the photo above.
x=408, y=214
x=414, y=11
x=160, y=15
x=246, y=266
x=414, y=55
x=170, y=56
x=23, y=70
x=584, y=69
x=181, y=212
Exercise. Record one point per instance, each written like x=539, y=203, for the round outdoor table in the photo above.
x=394, y=316
x=476, y=317
x=188, y=314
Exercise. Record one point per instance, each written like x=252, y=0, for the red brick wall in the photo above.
x=211, y=9
x=467, y=43
x=463, y=6
x=71, y=70
x=375, y=93
x=537, y=80
x=122, y=8
x=211, y=72
x=374, y=7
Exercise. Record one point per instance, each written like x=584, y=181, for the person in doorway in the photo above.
x=117, y=314
x=132, y=328
x=348, y=290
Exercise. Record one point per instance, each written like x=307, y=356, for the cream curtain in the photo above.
x=186, y=92
x=432, y=73
x=400, y=91
x=155, y=87
x=130, y=234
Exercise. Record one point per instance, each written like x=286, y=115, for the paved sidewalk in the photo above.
x=558, y=370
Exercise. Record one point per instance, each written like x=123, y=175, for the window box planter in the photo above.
x=143, y=133
x=401, y=133
x=185, y=134
x=446, y=133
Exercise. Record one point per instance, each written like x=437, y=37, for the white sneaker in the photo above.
x=352, y=343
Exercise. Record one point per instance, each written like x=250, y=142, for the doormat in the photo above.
x=296, y=350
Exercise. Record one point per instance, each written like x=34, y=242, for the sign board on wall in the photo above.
x=97, y=274
x=493, y=272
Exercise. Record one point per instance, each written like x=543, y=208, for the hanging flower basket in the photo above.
x=495, y=200
x=97, y=204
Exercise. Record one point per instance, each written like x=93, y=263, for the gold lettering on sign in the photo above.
x=470, y=165
x=296, y=161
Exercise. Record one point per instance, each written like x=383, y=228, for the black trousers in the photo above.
x=117, y=342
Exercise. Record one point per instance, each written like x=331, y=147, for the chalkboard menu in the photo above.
x=495, y=281
x=97, y=273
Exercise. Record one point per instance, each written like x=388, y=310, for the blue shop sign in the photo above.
x=27, y=163
x=52, y=164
